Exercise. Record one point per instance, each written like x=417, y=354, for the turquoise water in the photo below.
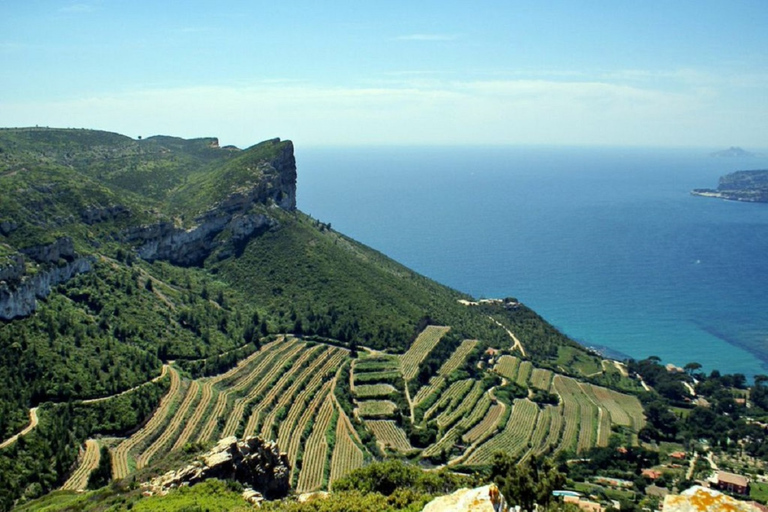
x=607, y=244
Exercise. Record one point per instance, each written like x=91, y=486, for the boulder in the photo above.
x=257, y=464
x=481, y=499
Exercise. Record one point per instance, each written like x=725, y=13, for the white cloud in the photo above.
x=418, y=112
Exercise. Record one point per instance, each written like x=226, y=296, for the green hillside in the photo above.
x=120, y=255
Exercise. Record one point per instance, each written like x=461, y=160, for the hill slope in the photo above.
x=118, y=255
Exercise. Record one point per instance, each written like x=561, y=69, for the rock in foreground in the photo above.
x=701, y=499
x=480, y=499
x=254, y=462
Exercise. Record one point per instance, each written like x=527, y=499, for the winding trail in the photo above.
x=134, y=388
x=32, y=424
x=516, y=344
x=33, y=411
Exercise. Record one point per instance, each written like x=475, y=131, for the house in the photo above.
x=731, y=482
x=589, y=506
x=677, y=455
x=653, y=474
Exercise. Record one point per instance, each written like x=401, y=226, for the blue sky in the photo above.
x=653, y=73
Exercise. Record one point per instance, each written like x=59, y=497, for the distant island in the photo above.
x=748, y=186
x=732, y=152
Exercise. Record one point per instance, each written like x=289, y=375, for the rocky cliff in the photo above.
x=237, y=217
x=57, y=263
x=257, y=464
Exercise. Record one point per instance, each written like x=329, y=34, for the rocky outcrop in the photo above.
x=62, y=248
x=480, y=499
x=167, y=242
x=164, y=241
x=19, y=300
x=12, y=269
x=257, y=464
x=94, y=215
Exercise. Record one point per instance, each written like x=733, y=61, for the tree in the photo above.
x=101, y=476
x=691, y=367
x=527, y=484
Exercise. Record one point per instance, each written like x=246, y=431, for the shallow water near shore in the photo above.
x=606, y=244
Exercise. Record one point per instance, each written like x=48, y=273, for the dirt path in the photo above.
x=410, y=403
x=689, y=474
x=33, y=411
x=516, y=344
x=134, y=388
x=79, y=479
x=27, y=429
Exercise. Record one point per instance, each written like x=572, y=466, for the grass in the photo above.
x=759, y=492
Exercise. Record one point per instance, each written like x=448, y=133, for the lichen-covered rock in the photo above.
x=480, y=499
x=257, y=464
x=701, y=499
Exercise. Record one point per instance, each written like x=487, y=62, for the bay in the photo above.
x=605, y=243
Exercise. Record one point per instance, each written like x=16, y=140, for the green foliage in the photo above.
x=389, y=476
x=403, y=500
x=528, y=483
x=110, y=329
x=211, y=495
x=102, y=475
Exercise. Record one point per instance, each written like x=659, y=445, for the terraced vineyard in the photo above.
x=514, y=438
x=347, y=455
x=315, y=453
x=541, y=379
x=89, y=461
x=121, y=466
x=453, y=363
x=389, y=435
x=285, y=391
x=422, y=346
x=374, y=390
x=507, y=366
x=376, y=408
x=170, y=431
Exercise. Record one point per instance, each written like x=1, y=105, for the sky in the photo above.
x=339, y=73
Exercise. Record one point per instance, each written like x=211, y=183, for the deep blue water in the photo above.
x=606, y=244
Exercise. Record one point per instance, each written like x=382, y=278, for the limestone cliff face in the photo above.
x=164, y=241
x=19, y=299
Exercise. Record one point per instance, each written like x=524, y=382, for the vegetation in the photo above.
x=264, y=329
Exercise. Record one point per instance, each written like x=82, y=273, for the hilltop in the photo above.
x=158, y=295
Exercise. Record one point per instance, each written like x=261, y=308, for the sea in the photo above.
x=607, y=244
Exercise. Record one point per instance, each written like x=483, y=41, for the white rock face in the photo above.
x=480, y=499
x=21, y=300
